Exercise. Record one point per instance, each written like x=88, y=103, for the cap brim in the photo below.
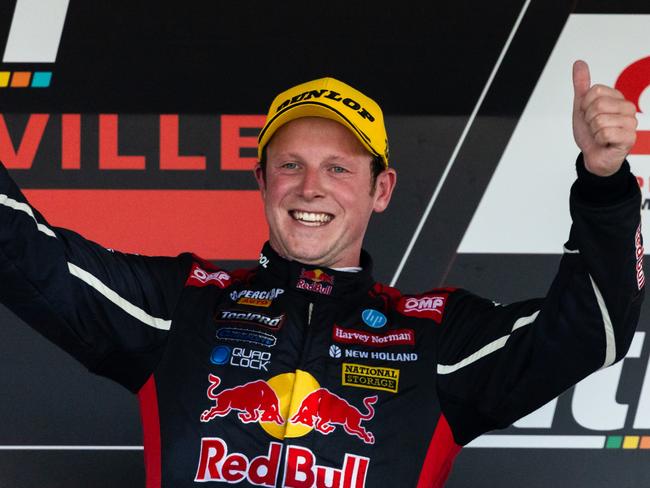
x=311, y=109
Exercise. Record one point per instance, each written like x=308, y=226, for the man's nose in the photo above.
x=312, y=184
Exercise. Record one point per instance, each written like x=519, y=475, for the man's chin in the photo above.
x=314, y=255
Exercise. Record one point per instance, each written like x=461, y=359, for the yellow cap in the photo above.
x=332, y=99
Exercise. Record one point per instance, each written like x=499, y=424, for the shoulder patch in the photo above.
x=388, y=294
x=213, y=276
x=425, y=306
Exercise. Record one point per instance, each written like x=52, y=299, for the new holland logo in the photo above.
x=34, y=37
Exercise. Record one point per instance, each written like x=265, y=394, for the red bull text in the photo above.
x=315, y=280
x=301, y=468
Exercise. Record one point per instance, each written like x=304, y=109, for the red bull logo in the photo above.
x=324, y=410
x=267, y=403
x=317, y=276
x=255, y=401
x=315, y=280
x=301, y=467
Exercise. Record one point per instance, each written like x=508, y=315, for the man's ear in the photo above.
x=384, y=186
x=260, y=178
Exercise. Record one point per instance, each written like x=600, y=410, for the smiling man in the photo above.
x=319, y=192
x=304, y=371
x=319, y=152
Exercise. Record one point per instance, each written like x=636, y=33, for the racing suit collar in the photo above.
x=315, y=281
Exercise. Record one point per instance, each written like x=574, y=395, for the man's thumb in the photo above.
x=581, y=80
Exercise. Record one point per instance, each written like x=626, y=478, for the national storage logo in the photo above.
x=609, y=409
x=34, y=38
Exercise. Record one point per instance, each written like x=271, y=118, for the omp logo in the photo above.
x=34, y=37
x=598, y=418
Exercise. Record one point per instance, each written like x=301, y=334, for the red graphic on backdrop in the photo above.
x=255, y=401
x=147, y=220
x=632, y=82
x=323, y=410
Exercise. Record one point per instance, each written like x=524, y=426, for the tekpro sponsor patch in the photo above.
x=394, y=337
x=246, y=335
x=254, y=318
x=371, y=377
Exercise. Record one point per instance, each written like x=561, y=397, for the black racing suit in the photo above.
x=298, y=376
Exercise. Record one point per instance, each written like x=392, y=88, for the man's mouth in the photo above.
x=313, y=219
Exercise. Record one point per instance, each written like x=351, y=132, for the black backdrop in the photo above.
x=426, y=62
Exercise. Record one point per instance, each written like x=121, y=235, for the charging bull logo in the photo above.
x=255, y=401
x=269, y=403
x=323, y=410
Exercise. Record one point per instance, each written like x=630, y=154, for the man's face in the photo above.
x=317, y=192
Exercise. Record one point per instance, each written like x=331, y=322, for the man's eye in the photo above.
x=339, y=169
x=290, y=165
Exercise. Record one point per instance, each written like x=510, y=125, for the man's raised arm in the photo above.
x=498, y=363
x=111, y=311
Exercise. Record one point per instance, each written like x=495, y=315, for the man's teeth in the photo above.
x=311, y=217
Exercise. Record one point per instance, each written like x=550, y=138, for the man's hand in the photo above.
x=604, y=123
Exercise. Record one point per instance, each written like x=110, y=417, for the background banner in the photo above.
x=135, y=123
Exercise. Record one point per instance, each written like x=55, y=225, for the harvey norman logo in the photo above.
x=34, y=37
x=597, y=419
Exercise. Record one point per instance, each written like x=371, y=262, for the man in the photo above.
x=304, y=371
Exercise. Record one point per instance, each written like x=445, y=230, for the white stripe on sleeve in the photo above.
x=610, y=340
x=570, y=251
x=23, y=207
x=112, y=296
x=489, y=348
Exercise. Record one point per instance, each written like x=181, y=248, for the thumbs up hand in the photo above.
x=604, y=123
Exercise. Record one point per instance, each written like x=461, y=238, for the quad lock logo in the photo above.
x=34, y=37
x=241, y=357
